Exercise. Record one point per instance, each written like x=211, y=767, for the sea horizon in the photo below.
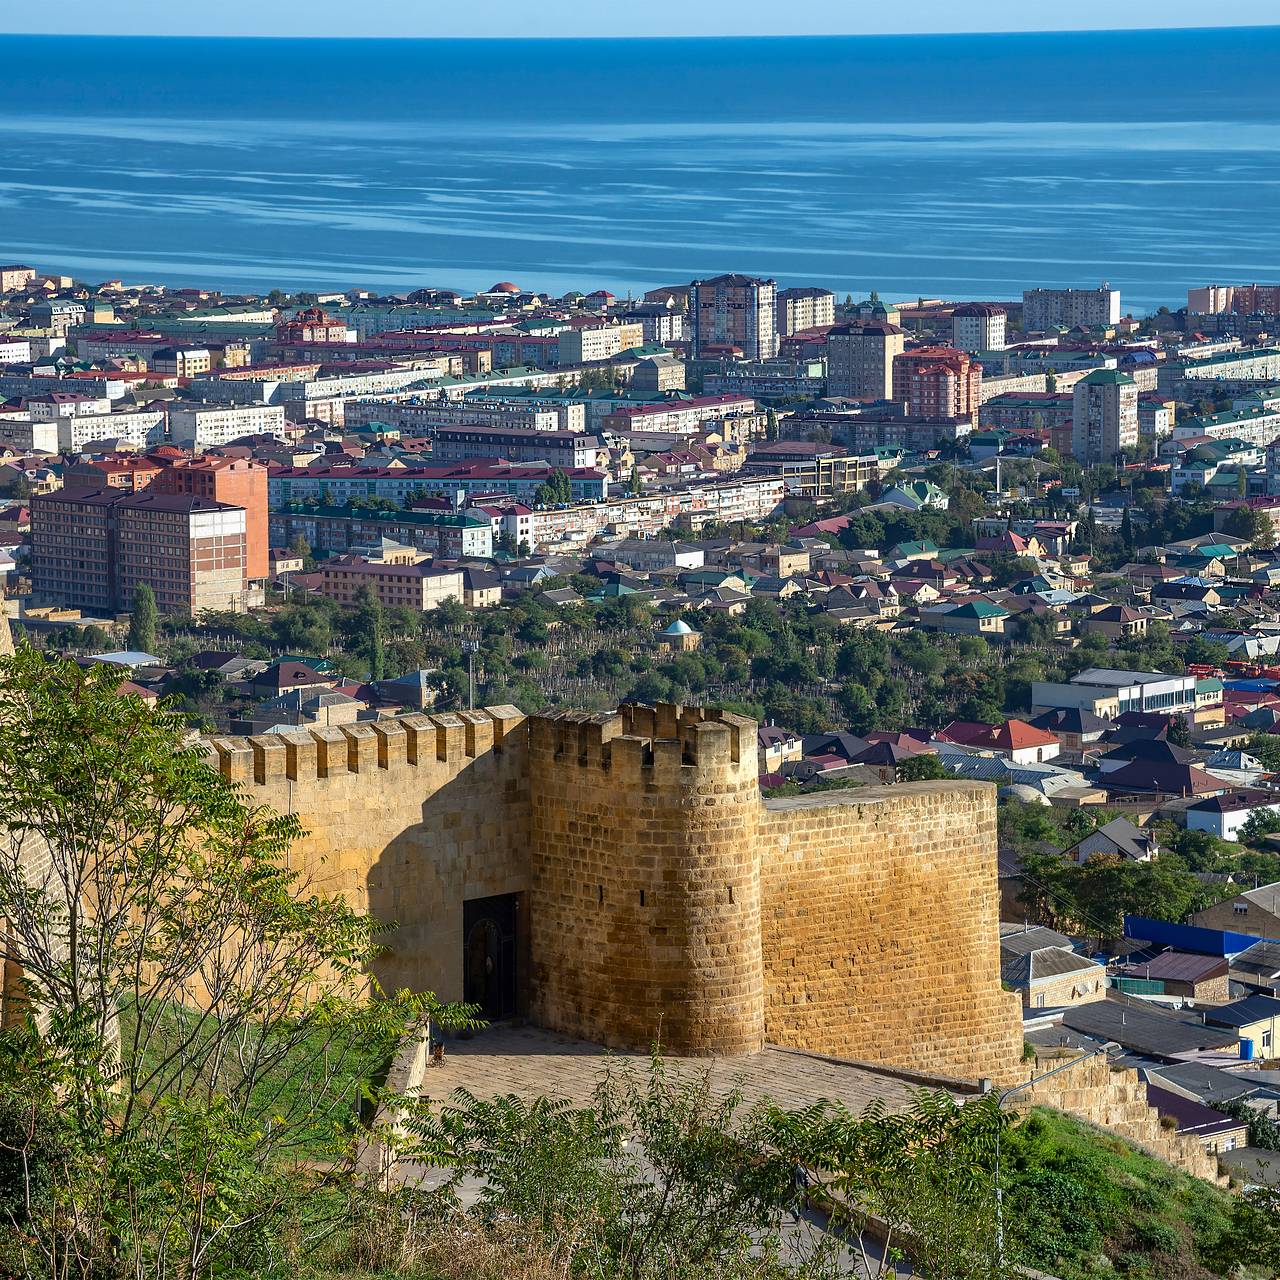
x=966, y=165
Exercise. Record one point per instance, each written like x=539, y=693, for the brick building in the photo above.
x=938, y=382
x=92, y=548
x=234, y=481
x=414, y=586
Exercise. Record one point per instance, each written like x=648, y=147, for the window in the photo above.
x=1266, y=1039
x=1239, y=908
x=1039, y=1002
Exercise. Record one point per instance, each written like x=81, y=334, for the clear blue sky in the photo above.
x=615, y=17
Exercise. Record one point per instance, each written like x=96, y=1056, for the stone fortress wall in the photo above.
x=660, y=896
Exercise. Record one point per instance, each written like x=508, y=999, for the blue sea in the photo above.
x=951, y=166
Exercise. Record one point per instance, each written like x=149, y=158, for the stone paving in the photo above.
x=529, y=1062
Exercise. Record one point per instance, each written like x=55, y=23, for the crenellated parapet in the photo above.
x=663, y=745
x=412, y=741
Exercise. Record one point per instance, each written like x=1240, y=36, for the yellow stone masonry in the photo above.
x=659, y=896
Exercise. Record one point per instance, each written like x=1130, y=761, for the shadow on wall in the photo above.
x=470, y=844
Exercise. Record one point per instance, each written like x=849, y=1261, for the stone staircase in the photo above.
x=1116, y=1100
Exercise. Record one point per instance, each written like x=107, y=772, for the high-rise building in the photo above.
x=1240, y=299
x=978, y=326
x=1052, y=308
x=938, y=382
x=1104, y=416
x=190, y=551
x=800, y=309
x=72, y=548
x=860, y=359
x=734, y=311
x=237, y=481
x=92, y=548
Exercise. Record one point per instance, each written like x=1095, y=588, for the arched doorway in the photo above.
x=489, y=955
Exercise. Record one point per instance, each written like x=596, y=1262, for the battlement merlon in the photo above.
x=451, y=738
x=665, y=743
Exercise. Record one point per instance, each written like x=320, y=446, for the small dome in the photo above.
x=505, y=286
x=1020, y=791
x=678, y=628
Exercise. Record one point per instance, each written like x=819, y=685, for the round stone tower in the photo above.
x=644, y=899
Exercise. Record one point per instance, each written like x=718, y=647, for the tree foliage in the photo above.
x=142, y=621
x=201, y=1017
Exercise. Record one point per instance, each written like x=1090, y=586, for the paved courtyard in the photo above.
x=529, y=1062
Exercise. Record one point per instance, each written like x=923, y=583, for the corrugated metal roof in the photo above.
x=1179, y=966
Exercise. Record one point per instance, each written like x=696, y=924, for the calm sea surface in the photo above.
x=959, y=166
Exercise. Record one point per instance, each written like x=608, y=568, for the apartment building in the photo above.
x=192, y=552
x=447, y=535
x=238, y=482
x=560, y=448
x=14, y=350
x=661, y=324
x=414, y=586
x=1104, y=417
x=182, y=362
x=427, y=417
x=585, y=343
x=198, y=426
x=813, y=470
x=57, y=314
x=72, y=552
x=1239, y=299
x=15, y=278
x=1044, y=309
x=860, y=359
x=92, y=548
x=680, y=417
x=734, y=311
x=978, y=326
x=938, y=382
x=800, y=309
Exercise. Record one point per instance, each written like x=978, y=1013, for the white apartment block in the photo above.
x=197, y=426
x=598, y=342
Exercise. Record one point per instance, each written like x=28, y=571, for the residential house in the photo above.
x=776, y=746
x=1168, y=1035
x=1076, y=729
x=1224, y=815
x=302, y=708
x=1256, y=1020
x=1049, y=976
x=1258, y=967
x=915, y=495
x=1117, y=621
x=1181, y=973
x=1192, y=1119
x=1254, y=912
x=1118, y=838
x=972, y=618
x=481, y=588
x=417, y=689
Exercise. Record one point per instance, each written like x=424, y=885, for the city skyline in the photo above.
x=565, y=18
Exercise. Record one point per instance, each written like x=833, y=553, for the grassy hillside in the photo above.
x=1082, y=1204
